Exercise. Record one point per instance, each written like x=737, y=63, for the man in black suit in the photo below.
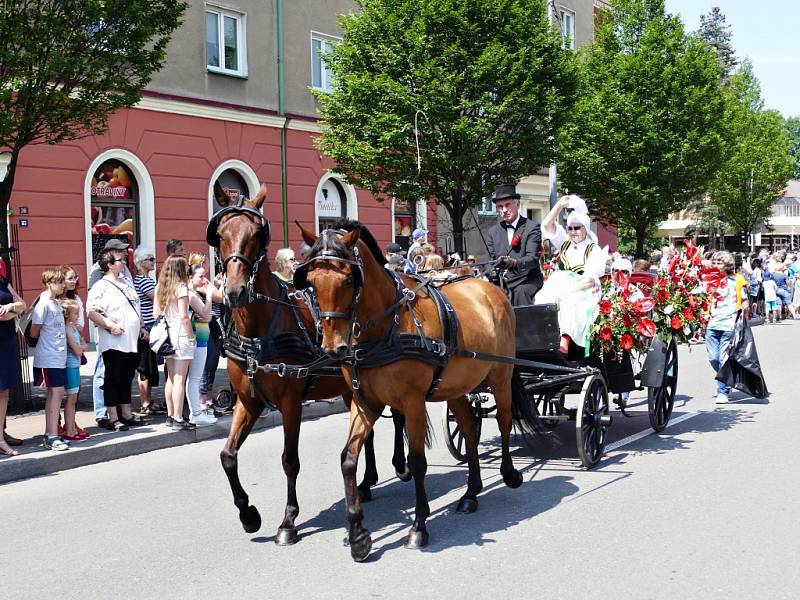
x=516, y=242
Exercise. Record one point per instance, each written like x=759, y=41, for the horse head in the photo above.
x=240, y=232
x=334, y=270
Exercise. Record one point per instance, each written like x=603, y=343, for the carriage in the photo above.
x=572, y=388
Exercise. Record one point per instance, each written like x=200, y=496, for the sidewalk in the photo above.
x=104, y=445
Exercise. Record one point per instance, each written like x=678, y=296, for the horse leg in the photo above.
x=500, y=382
x=287, y=533
x=361, y=423
x=417, y=422
x=399, y=456
x=466, y=425
x=370, y=470
x=244, y=417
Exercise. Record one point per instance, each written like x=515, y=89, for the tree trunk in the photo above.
x=641, y=234
x=456, y=211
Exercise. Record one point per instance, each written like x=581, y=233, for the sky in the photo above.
x=766, y=31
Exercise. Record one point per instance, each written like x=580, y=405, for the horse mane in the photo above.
x=366, y=236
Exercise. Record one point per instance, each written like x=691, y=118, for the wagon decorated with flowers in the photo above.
x=640, y=321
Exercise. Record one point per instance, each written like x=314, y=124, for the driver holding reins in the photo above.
x=515, y=242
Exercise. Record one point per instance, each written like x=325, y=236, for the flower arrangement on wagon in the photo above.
x=623, y=321
x=683, y=295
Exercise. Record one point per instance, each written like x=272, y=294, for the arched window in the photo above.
x=114, y=210
x=331, y=203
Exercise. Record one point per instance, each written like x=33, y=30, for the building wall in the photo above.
x=186, y=74
x=180, y=155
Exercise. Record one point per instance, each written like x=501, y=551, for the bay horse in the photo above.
x=361, y=302
x=271, y=326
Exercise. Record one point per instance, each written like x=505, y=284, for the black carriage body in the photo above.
x=537, y=329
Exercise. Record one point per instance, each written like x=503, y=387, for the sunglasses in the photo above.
x=578, y=228
x=149, y=258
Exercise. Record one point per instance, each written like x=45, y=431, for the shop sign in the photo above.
x=329, y=203
x=111, y=181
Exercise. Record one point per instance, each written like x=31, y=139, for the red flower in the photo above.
x=516, y=241
x=621, y=278
x=605, y=333
x=662, y=294
x=676, y=323
x=626, y=342
x=692, y=301
x=644, y=305
x=646, y=327
x=605, y=307
x=627, y=320
x=688, y=314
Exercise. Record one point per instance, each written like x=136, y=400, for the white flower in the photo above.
x=669, y=309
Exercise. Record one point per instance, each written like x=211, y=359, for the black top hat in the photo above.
x=505, y=191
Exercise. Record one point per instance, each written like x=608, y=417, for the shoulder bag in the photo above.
x=160, y=341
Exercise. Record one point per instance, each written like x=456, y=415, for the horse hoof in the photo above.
x=404, y=476
x=513, y=478
x=286, y=537
x=416, y=540
x=361, y=546
x=251, y=520
x=364, y=494
x=467, y=505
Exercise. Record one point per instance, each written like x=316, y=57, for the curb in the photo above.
x=35, y=461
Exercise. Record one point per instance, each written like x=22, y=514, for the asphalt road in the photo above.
x=708, y=509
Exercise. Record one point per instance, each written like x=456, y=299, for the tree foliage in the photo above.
x=793, y=131
x=645, y=136
x=715, y=31
x=487, y=80
x=66, y=65
x=758, y=162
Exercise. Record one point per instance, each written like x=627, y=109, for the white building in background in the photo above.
x=783, y=227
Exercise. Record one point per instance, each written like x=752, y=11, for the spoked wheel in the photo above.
x=660, y=400
x=482, y=405
x=592, y=421
x=224, y=400
x=548, y=405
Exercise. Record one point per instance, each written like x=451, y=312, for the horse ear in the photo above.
x=351, y=238
x=220, y=195
x=260, y=197
x=308, y=237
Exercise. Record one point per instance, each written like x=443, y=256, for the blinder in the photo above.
x=212, y=230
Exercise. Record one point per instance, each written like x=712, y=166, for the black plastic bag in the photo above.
x=742, y=369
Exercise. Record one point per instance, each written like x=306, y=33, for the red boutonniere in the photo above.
x=516, y=241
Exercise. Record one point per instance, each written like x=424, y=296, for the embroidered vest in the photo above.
x=565, y=264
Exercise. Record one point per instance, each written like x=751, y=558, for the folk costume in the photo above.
x=521, y=241
x=577, y=261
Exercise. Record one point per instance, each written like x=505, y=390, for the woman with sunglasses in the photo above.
x=144, y=261
x=575, y=286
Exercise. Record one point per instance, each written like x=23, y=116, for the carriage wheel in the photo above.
x=454, y=440
x=592, y=421
x=548, y=405
x=224, y=400
x=660, y=400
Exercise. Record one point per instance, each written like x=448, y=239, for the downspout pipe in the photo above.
x=282, y=113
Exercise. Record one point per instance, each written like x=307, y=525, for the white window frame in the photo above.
x=562, y=12
x=487, y=207
x=241, y=40
x=326, y=78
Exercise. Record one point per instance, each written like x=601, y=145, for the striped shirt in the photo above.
x=143, y=285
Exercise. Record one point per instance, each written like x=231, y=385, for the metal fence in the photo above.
x=21, y=399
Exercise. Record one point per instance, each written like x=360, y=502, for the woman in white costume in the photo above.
x=575, y=286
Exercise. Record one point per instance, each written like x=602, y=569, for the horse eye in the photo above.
x=348, y=280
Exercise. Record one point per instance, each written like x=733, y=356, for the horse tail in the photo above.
x=429, y=431
x=525, y=416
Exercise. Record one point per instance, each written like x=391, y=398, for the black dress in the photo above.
x=8, y=343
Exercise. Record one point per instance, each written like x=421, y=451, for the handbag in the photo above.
x=29, y=339
x=160, y=341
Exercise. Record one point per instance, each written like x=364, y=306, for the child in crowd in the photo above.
x=770, y=296
x=50, y=353
x=75, y=349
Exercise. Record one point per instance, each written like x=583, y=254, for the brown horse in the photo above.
x=358, y=299
x=271, y=327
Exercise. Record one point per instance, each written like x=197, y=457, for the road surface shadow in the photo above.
x=391, y=512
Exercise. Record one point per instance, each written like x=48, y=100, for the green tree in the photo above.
x=65, y=66
x=715, y=31
x=707, y=217
x=487, y=80
x=758, y=162
x=793, y=131
x=645, y=137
